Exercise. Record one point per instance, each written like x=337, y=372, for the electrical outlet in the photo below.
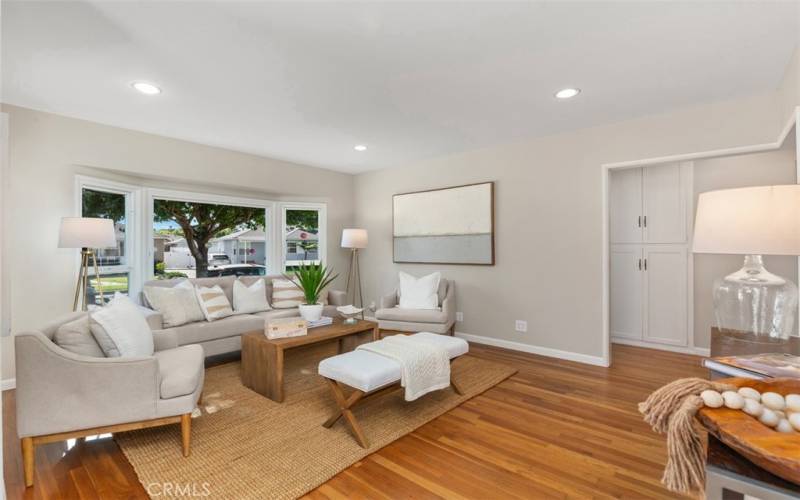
x=459, y=316
x=521, y=325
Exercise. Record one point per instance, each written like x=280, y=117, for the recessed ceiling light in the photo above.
x=360, y=147
x=567, y=93
x=146, y=88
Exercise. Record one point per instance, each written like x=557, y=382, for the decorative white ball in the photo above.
x=750, y=393
x=752, y=407
x=773, y=401
x=784, y=426
x=712, y=399
x=794, y=419
x=733, y=400
x=768, y=418
x=793, y=402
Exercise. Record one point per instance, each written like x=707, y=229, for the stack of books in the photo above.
x=325, y=320
x=759, y=366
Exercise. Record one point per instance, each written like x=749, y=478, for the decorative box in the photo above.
x=286, y=327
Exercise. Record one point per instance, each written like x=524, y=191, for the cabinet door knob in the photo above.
x=645, y=221
x=640, y=221
x=640, y=264
x=645, y=264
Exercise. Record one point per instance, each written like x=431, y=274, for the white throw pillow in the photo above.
x=286, y=295
x=419, y=293
x=178, y=304
x=214, y=303
x=250, y=299
x=121, y=330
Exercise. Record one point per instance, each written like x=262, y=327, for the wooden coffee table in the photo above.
x=262, y=358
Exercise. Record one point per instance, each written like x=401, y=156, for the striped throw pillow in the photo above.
x=286, y=295
x=213, y=302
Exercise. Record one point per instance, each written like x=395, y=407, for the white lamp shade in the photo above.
x=354, y=238
x=761, y=220
x=86, y=232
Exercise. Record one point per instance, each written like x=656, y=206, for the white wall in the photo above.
x=762, y=169
x=548, y=217
x=45, y=153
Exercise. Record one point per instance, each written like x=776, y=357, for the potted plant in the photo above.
x=311, y=280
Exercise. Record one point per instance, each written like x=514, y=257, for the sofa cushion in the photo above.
x=213, y=302
x=286, y=295
x=178, y=304
x=415, y=315
x=419, y=293
x=180, y=370
x=76, y=337
x=203, y=331
x=121, y=330
x=224, y=282
x=250, y=297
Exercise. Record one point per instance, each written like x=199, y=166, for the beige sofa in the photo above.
x=395, y=319
x=224, y=335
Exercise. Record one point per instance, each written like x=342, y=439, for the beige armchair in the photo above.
x=61, y=395
x=392, y=319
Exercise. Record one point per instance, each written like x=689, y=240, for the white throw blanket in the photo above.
x=425, y=367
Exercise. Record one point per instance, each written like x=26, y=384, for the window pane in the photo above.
x=106, y=205
x=201, y=239
x=110, y=283
x=302, y=237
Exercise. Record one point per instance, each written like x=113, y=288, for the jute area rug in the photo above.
x=247, y=446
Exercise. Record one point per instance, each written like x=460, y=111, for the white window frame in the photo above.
x=152, y=194
x=133, y=241
x=322, y=234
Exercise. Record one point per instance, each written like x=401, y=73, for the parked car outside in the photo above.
x=237, y=270
x=218, y=259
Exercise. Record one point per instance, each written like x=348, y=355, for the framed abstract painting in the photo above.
x=453, y=225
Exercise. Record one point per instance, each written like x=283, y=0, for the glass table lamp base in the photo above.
x=755, y=305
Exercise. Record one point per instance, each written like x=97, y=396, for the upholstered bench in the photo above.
x=368, y=374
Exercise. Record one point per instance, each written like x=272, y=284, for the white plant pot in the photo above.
x=312, y=312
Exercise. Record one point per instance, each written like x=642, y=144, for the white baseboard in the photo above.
x=9, y=383
x=544, y=351
x=697, y=351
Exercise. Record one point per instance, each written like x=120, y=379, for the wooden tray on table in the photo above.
x=776, y=452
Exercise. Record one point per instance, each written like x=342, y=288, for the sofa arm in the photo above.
x=449, y=302
x=164, y=340
x=59, y=391
x=337, y=298
x=390, y=300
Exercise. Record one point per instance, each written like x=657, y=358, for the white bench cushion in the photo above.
x=367, y=371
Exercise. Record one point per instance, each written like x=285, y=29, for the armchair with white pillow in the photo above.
x=426, y=304
x=94, y=373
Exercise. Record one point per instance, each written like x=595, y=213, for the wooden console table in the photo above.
x=262, y=358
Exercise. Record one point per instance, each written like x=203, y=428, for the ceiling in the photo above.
x=306, y=82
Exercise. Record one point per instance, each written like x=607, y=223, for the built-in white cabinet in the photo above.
x=649, y=255
x=648, y=205
x=665, y=294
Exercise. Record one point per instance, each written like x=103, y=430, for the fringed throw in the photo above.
x=671, y=409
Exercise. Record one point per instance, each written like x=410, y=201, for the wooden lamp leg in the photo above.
x=28, y=454
x=186, y=433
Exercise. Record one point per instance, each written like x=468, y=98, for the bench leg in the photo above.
x=28, y=458
x=344, y=411
x=456, y=387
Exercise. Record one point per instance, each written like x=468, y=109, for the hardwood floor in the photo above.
x=556, y=429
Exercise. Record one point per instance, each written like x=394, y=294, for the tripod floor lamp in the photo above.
x=86, y=233
x=355, y=239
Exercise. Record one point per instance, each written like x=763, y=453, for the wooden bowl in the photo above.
x=774, y=451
